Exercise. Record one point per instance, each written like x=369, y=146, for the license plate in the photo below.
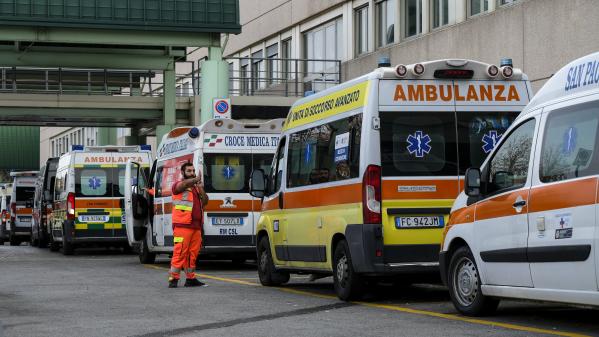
x=25, y=219
x=93, y=218
x=227, y=221
x=228, y=231
x=419, y=221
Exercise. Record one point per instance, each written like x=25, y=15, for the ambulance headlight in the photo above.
x=507, y=71
x=401, y=70
x=418, y=69
x=492, y=70
x=193, y=133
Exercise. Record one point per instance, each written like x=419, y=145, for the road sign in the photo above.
x=221, y=107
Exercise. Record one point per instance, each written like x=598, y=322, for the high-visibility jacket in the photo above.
x=182, y=208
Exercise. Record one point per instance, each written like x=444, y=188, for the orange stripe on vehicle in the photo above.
x=336, y=195
x=270, y=205
x=444, y=189
x=26, y=211
x=500, y=206
x=97, y=203
x=563, y=195
x=241, y=205
x=462, y=215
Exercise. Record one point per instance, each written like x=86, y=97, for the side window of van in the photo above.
x=326, y=153
x=158, y=180
x=275, y=174
x=569, y=144
x=508, y=169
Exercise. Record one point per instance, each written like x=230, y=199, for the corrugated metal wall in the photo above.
x=19, y=147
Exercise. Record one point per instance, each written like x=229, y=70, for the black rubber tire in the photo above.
x=351, y=285
x=267, y=273
x=480, y=305
x=145, y=256
x=68, y=248
x=33, y=241
x=14, y=241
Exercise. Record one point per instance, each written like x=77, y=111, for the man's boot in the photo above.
x=193, y=282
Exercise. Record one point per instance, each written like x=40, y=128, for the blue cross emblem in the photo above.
x=228, y=172
x=419, y=144
x=94, y=183
x=570, y=140
x=490, y=140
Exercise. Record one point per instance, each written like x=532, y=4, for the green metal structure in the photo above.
x=120, y=34
x=20, y=147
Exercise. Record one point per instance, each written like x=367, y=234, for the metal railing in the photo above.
x=247, y=77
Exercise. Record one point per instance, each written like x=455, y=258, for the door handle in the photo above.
x=519, y=204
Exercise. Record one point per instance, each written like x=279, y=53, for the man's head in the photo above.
x=188, y=171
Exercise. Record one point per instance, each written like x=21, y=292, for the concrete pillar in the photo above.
x=134, y=138
x=214, y=81
x=170, y=103
x=107, y=136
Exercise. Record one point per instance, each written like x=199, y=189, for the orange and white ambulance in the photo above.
x=366, y=171
x=5, y=195
x=21, y=206
x=527, y=224
x=88, y=196
x=224, y=152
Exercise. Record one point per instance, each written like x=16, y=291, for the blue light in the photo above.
x=193, y=133
x=309, y=93
x=77, y=147
x=145, y=147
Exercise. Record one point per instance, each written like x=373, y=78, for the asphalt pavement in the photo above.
x=101, y=292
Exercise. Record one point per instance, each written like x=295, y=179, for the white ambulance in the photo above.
x=367, y=171
x=5, y=195
x=225, y=152
x=527, y=224
x=21, y=206
x=88, y=196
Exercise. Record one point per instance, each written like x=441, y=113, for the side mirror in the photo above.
x=257, y=183
x=472, y=184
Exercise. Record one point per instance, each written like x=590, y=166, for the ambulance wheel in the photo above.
x=68, y=248
x=463, y=281
x=145, y=256
x=33, y=241
x=14, y=241
x=348, y=284
x=267, y=273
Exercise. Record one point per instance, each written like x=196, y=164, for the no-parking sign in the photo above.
x=221, y=107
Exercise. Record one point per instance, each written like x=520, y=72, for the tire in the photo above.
x=32, y=241
x=267, y=273
x=463, y=281
x=68, y=248
x=145, y=256
x=348, y=284
x=14, y=241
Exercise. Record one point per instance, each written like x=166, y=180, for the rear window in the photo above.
x=24, y=195
x=225, y=172
x=100, y=182
x=418, y=144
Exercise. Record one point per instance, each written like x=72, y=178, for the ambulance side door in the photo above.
x=273, y=204
x=158, y=210
x=563, y=200
x=501, y=221
x=136, y=205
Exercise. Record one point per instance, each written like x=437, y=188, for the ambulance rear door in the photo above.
x=136, y=204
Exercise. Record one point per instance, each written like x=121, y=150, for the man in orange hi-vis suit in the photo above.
x=189, y=198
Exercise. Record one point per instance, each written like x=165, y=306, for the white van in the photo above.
x=88, y=196
x=367, y=171
x=225, y=152
x=5, y=195
x=21, y=206
x=527, y=224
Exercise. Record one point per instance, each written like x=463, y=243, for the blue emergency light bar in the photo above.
x=145, y=147
x=77, y=147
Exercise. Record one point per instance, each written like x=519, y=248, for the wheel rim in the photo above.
x=263, y=261
x=465, y=282
x=342, y=270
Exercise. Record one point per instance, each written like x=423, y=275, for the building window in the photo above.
x=412, y=17
x=507, y=2
x=440, y=12
x=258, y=71
x=385, y=16
x=244, y=75
x=361, y=25
x=231, y=78
x=323, y=43
x=286, y=55
x=478, y=6
x=272, y=65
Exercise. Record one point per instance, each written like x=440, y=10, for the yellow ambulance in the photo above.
x=88, y=196
x=366, y=172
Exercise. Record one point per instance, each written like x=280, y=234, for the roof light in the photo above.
x=492, y=70
x=384, y=61
x=401, y=70
x=194, y=132
x=145, y=147
x=309, y=93
x=454, y=73
x=218, y=123
x=507, y=71
x=77, y=147
x=418, y=69
x=456, y=63
x=506, y=62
